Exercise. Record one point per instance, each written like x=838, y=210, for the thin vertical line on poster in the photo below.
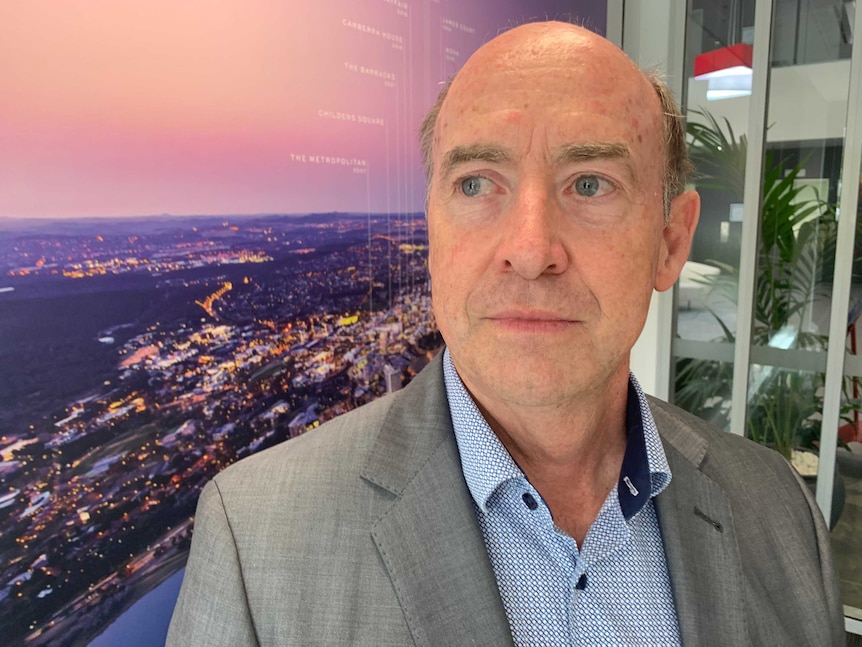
x=405, y=74
x=389, y=206
x=409, y=218
x=368, y=221
x=399, y=149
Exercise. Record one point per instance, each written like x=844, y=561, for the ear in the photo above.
x=676, y=238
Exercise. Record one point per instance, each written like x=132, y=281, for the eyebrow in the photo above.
x=473, y=153
x=586, y=152
x=569, y=154
x=590, y=151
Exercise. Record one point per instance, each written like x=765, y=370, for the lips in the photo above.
x=530, y=315
x=535, y=321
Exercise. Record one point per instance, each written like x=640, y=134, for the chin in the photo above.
x=534, y=394
x=526, y=379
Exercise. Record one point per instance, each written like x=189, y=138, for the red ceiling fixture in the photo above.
x=719, y=61
x=727, y=70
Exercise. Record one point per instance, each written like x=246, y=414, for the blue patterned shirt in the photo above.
x=613, y=590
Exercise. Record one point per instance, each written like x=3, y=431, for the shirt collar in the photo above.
x=487, y=464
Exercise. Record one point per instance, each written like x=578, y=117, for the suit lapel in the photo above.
x=431, y=545
x=428, y=538
x=700, y=543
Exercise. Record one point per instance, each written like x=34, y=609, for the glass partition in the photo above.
x=845, y=536
x=706, y=317
x=767, y=329
x=796, y=245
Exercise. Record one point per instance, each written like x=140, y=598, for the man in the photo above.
x=522, y=490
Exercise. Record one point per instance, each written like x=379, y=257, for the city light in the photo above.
x=246, y=345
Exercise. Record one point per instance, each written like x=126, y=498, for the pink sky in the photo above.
x=132, y=107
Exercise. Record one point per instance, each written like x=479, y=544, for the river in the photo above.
x=145, y=623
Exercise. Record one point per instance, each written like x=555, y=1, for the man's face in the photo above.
x=545, y=217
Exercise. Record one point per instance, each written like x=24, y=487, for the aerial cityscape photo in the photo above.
x=211, y=241
x=139, y=365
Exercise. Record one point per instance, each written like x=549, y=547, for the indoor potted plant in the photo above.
x=797, y=234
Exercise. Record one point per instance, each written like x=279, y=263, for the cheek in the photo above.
x=619, y=268
x=447, y=265
x=442, y=266
x=454, y=276
x=450, y=252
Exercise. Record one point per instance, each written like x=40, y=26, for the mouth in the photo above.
x=534, y=321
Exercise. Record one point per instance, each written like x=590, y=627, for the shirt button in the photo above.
x=529, y=501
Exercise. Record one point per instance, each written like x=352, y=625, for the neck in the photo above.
x=571, y=452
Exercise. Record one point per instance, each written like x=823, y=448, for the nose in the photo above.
x=531, y=244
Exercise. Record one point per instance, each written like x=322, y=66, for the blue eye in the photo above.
x=587, y=185
x=471, y=186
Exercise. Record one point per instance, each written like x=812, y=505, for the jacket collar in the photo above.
x=428, y=538
x=699, y=540
x=432, y=547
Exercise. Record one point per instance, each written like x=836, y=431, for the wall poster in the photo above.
x=211, y=241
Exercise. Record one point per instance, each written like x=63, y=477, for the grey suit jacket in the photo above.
x=363, y=533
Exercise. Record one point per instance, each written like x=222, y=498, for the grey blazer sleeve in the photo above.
x=201, y=618
x=831, y=585
x=361, y=532
x=748, y=552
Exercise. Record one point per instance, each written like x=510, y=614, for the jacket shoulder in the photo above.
x=764, y=491
x=343, y=441
x=715, y=451
x=775, y=527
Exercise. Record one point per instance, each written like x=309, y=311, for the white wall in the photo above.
x=806, y=102
x=654, y=37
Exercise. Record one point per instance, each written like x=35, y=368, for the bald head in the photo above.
x=545, y=231
x=581, y=65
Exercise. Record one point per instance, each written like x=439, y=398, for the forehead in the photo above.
x=551, y=95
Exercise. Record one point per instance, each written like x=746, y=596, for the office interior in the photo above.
x=761, y=334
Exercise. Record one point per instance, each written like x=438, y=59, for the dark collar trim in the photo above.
x=634, y=487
